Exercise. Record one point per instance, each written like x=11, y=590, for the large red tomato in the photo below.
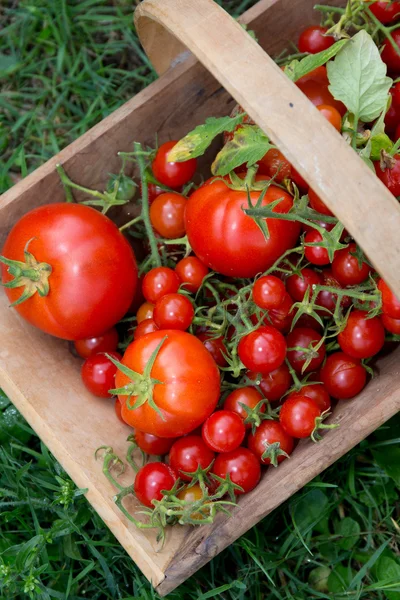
x=87, y=263
x=229, y=241
x=183, y=382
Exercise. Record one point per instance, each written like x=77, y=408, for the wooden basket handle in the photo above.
x=358, y=198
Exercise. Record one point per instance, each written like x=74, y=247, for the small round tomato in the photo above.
x=107, y=342
x=346, y=269
x=191, y=271
x=390, y=54
x=318, y=93
x=362, y=337
x=144, y=327
x=191, y=494
x=313, y=353
x=242, y=466
x=332, y=115
x=262, y=350
x=248, y=397
x=273, y=385
x=317, y=204
x=152, y=444
x=395, y=93
x=223, y=431
x=172, y=174
x=386, y=12
x=391, y=175
x=151, y=480
x=392, y=325
x=275, y=165
x=269, y=292
x=158, y=282
x=298, y=180
x=189, y=453
x=298, y=416
x=316, y=255
x=314, y=40
x=328, y=299
x=167, y=215
x=153, y=191
x=318, y=75
x=270, y=443
x=173, y=311
x=145, y=312
x=318, y=393
x=215, y=346
x=282, y=317
x=390, y=304
x=98, y=374
x=297, y=285
x=343, y=376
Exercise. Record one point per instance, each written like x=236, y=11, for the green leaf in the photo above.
x=298, y=68
x=340, y=579
x=358, y=78
x=318, y=579
x=8, y=64
x=389, y=460
x=197, y=141
x=4, y=401
x=380, y=142
x=349, y=529
x=388, y=570
x=310, y=509
x=249, y=145
x=71, y=548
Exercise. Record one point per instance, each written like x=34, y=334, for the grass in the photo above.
x=65, y=65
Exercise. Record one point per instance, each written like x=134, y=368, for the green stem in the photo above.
x=67, y=183
x=385, y=30
x=330, y=9
x=130, y=223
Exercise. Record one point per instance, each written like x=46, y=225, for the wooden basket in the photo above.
x=41, y=376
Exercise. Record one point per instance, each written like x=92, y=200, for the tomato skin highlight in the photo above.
x=189, y=453
x=390, y=304
x=144, y=312
x=167, y=215
x=345, y=267
x=248, y=396
x=158, y=282
x=275, y=384
x=151, y=480
x=262, y=350
x=343, y=376
x=298, y=416
x=91, y=261
x=98, y=374
x=304, y=337
x=191, y=272
x=242, y=466
x=223, y=431
x=172, y=174
x=362, y=337
x=270, y=432
x=152, y=444
x=313, y=40
x=107, y=342
x=173, y=311
x=269, y=292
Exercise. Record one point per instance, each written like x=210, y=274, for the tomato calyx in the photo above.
x=261, y=412
x=309, y=353
x=319, y=425
x=31, y=274
x=272, y=451
x=226, y=487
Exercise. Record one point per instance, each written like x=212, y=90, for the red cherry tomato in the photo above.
x=317, y=204
x=395, y=93
x=343, y=376
x=107, y=342
x=145, y=312
x=158, y=282
x=390, y=55
x=391, y=175
x=318, y=75
x=298, y=416
x=362, y=337
x=273, y=385
x=167, y=215
x=318, y=393
x=152, y=444
x=246, y=396
x=145, y=327
x=316, y=255
x=298, y=180
x=392, y=325
x=390, y=304
x=268, y=292
x=98, y=374
x=151, y=480
x=318, y=93
x=314, y=40
x=189, y=453
x=392, y=117
x=270, y=443
x=172, y=174
x=386, y=12
x=242, y=466
x=282, y=317
x=275, y=165
x=345, y=267
x=262, y=350
x=297, y=285
x=173, y=311
x=309, y=339
x=223, y=431
x=332, y=115
x=215, y=346
x=191, y=272
x=153, y=191
x=328, y=299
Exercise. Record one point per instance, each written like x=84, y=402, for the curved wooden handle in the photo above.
x=368, y=210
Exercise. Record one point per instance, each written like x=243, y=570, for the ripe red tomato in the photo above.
x=318, y=75
x=390, y=304
x=270, y=443
x=395, y=93
x=262, y=350
x=328, y=299
x=274, y=164
x=390, y=55
x=229, y=241
x=362, y=337
x=172, y=174
x=343, y=376
x=242, y=466
x=152, y=444
x=273, y=385
x=145, y=312
x=392, y=325
x=314, y=40
x=90, y=262
x=107, y=342
x=298, y=415
x=297, y=285
x=153, y=191
x=318, y=93
x=173, y=311
x=248, y=396
x=151, y=480
x=318, y=393
x=215, y=346
x=282, y=317
x=345, y=267
x=269, y=292
x=309, y=339
x=145, y=327
x=392, y=117
x=98, y=374
x=316, y=255
x=390, y=176
x=386, y=12
x=223, y=431
x=332, y=115
x=158, y=282
x=191, y=272
x=317, y=204
x=190, y=389
x=298, y=180
x=189, y=453
x=167, y=215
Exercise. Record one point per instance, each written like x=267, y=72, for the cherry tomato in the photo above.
x=282, y=317
x=167, y=215
x=242, y=466
x=98, y=374
x=392, y=117
x=343, y=376
x=158, y=282
x=191, y=272
x=298, y=415
x=395, y=93
x=298, y=180
x=107, y=342
x=144, y=327
x=297, y=285
x=390, y=304
x=318, y=393
x=215, y=346
x=316, y=255
x=318, y=93
x=145, y=312
x=362, y=337
x=386, y=12
x=153, y=191
x=332, y=115
x=345, y=267
x=226, y=239
x=391, y=175
x=172, y=174
x=314, y=40
x=248, y=396
x=317, y=204
x=270, y=443
x=151, y=480
x=390, y=55
x=118, y=409
x=191, y=494
x=84, y=259
x=273, y=385
x=190, y=386
x=262, y=350
x=392, y=325
x=269, y=292
x=275, y=165
x=309, y=339
x=397, y=132
x=328, y=299
x=318, y=75
x=152, y=444
x=173, y=311
x=223, y=431
x=189, y=453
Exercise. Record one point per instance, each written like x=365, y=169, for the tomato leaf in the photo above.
x=298, y=68
x=349, y=530
x=197, y=141
x=249, y=145
x=358, y=78
x=389, y=460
